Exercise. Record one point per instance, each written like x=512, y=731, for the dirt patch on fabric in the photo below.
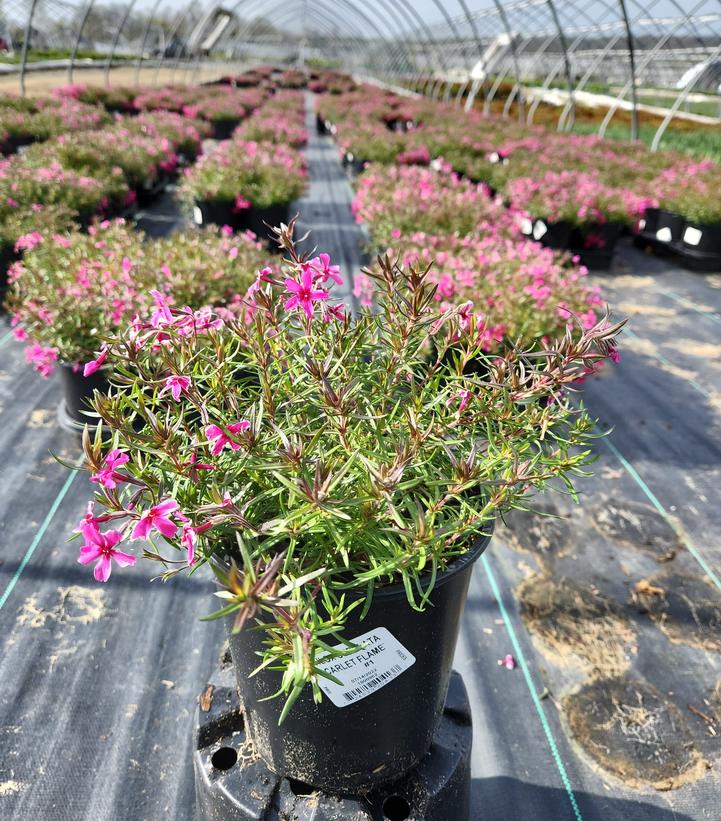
x=638, y=526
x=630, y=281
x=577, y=624
x=10, y=787
x=541, y=533
x=632, y=731
x=690, y=347
x=75, y=605
x=41, y=418
x=632, y=309
x=685, y=607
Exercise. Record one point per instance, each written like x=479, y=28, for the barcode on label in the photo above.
x=379, y=659
x=371, y=685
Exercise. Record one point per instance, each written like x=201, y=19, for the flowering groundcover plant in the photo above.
x=519, y=292
x=248, y=174
x=71, y=290
x=310, y=458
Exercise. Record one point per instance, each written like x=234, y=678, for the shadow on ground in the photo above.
x=507, y=799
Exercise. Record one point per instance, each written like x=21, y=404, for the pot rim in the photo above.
x=398, y=588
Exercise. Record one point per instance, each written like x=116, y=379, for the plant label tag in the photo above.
x=381, y=659
x=692, y=236
x=664, y=234
x=526, y=226
x=540, y=229
x=197, y=215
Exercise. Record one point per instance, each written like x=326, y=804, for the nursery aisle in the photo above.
x=325, y=209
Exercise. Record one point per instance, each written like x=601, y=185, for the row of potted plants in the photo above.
x=249, y=183
x=526, y=293
x=73, y=289
x=30, y=121
x=580, y=192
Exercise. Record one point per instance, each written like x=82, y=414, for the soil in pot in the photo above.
x=78, y=391
x=380, y=723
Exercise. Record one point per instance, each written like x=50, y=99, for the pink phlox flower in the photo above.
x=101, y=547
x=157, y=517
x=108, y=476
x=42, y=358
x=28, y=241
x=464, y=396
x=219, y=436
x=241, y=204
x=321, y=268
x=304, y=294
x=96, y=364
x=508, y=662
x=176, y=385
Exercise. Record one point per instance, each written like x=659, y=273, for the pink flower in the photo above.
x=157, y=517
x=42, y=358
x=219, y=436
x=508, y=662
x=189, y=539
x=464, y=396
x=195, y=466
x=241, y=204
x=320, y=267
x=176, y=385
x=101, y=546
x=96, y=364
x=303, y=293
x=107, y=476
x=28, y=241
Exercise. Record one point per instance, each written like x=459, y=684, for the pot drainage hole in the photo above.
x=396, y=808
x=300, y=788
x=224, y=758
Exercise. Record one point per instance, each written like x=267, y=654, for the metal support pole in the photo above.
x=566, y=60
x=78, y=36
x=116, y=40
x=26, y=43
x=632, y=63
x=146, y=34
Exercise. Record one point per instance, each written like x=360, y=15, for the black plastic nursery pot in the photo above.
x=354, y=165
x=595, y=244
x=380, y=723
x=555, y=235
x=77, y=392
x=223, y=129
x=224, y=212
x=662, y=225
x=702, y=238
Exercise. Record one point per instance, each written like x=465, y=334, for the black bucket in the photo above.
x=223, y=129
x=669, y=226
x=78, y=391
x=224, y=212
x=702, y=239
x=384, y=724
x=595, y=244
x=556, y=235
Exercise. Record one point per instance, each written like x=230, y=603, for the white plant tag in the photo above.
x=540, y=229
x=692, y=236
x=526, y=226
x=197, y=215
x=382, y=659
x=664, y=234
